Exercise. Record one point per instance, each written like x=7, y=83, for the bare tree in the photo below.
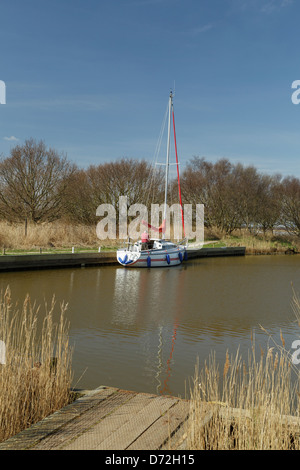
x=233, y=195
x=213, y=185
x=79, y=205
x=268, y=204
x=290, y=204
x=33, y=181
x=105, y=183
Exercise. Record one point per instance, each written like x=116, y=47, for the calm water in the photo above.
x=144, y=330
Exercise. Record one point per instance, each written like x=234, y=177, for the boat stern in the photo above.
x=126, y=257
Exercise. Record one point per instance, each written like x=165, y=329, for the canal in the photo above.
x=145, y=329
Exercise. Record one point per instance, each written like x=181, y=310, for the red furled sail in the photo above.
x=160, y=229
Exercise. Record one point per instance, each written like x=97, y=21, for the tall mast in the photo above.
x=168, y=156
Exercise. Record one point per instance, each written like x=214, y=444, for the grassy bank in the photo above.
x=35, y=372
x=256, y=244
x=253, y=405
x=58, y=237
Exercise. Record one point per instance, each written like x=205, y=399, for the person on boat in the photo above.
x=145, y=240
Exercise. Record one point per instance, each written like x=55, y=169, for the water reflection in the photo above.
x=156, y=296
x=145, y=329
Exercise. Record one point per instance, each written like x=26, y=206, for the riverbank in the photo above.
x=80, y=259
x=281, y=243
x=59, y=237
x=85, y=259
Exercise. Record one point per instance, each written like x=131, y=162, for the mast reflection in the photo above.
x=152, y=296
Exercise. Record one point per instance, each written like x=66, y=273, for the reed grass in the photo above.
x=264, y=245
x=55, y=234
x=256, y=243
x=52, y=237
x=35, y=380
x=60, y=235
x=246, y=405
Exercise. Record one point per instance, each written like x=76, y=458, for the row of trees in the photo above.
x=38, y=184
x=235, y=195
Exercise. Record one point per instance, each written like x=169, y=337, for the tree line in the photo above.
x=40, y=185
x=236, y=196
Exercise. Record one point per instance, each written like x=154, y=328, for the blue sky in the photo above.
x=92, y=78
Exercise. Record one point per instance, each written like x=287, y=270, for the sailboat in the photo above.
x=157, y=252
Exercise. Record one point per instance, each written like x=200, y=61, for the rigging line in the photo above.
x=154, y=163
x=155, y=157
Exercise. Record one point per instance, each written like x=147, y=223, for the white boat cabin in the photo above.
x=152, y=244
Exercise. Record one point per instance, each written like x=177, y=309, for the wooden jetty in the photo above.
x=74, y=260
x=113, y=419
x=108, y=419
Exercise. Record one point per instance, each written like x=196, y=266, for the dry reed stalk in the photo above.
x=296, y=306
x=282, y=339
x=56, y=234
x=248, y=405
x=36, y=378
x=259, y=243
x=226, y=365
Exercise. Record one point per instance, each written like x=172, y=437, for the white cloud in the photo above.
x=12, y=138
x=263, y=6
x=197, y=30
x=201, y=29
x=275, y=5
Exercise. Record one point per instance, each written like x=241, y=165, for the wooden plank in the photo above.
x=179, y=440
x=138, y=424
x=39, y=431
x=94, y=436
x=85, y=421
x=162, y=429
x=119, y=429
